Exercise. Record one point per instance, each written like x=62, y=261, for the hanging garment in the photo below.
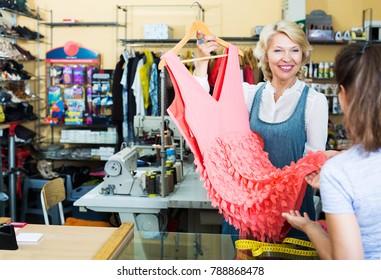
x=117, y=91
x=127, y=129
x=132, y=70
x=250, y=64
x=153, y=90
x=138, y=90
x=240, y=180
x=123, y=83
x=144, y=74
x=248, y=75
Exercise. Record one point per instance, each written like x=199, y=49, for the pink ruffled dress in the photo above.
x=241, y=181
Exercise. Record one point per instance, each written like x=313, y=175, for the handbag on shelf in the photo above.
x=289, y=249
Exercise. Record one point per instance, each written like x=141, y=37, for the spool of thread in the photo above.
x=163, y=186
x=170, y=181
x=179, y=170
x=157, y=183
x=151, y=182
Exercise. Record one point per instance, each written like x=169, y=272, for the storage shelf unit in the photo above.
x=12, y=18
x=78, y=24
x=112, y=24
x=229, y=39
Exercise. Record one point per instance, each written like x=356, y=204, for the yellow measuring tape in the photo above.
x=289, y=247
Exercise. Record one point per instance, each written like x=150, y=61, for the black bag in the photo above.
x=18, y=112
x=24, y=133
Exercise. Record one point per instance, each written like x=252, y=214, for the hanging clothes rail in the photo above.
x=167, y=44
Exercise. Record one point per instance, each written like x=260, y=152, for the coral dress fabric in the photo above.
x=241, y=181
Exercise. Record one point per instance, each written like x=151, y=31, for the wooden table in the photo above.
x=5, y=220
x=71, y=243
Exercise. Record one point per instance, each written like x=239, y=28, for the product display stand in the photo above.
x=87, y=88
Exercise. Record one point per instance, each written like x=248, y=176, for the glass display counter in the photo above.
x=177, y=246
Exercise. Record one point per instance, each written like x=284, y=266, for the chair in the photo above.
x=32, y=187
x=52, y=195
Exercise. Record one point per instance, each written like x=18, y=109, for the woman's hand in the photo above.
x=205, y=45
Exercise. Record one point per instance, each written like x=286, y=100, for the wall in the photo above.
x=224, y=18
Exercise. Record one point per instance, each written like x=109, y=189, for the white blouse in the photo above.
x=316, y=117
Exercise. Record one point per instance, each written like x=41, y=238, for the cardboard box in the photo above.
x=295, y=10
x=157, y=31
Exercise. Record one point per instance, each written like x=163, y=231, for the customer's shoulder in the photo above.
x=346, y=157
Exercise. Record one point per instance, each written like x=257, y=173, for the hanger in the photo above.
x=198, y=25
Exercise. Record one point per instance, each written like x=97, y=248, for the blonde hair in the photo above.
x=291, y=30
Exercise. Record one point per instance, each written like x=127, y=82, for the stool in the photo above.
x=34, y=184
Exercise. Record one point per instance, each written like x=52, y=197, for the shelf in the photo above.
x=32, y=79
x=4, y=126
x=81, y=24
x=81, y=126
x=73, y=159
x=20, y=13
x=191, y=41
x=87, y=143
x=324, y=80
x=19, y=38
x=332, y=43
x=228, y=39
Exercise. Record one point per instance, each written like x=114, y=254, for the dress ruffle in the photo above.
x=248, y=190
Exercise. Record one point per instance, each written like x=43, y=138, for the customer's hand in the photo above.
x=313, y=179
x=298, y=221
x=331, y=153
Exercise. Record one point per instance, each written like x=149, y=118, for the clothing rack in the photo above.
x=162, y=114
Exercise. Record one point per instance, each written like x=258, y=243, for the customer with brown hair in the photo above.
x=350, y=183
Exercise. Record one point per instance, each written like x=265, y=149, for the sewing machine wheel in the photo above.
x=113, y=168
x=147, y=222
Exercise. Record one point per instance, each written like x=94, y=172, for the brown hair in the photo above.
x=290, y=29
x=358, y=70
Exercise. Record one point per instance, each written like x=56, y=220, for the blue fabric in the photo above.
x=229, y=229
x=285, y=143
x=154, y=90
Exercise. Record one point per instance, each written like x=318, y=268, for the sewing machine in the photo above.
x=120, y=177
x=149, y=127
x=151, y=124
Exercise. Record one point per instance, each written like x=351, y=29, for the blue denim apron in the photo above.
x=285, y=142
